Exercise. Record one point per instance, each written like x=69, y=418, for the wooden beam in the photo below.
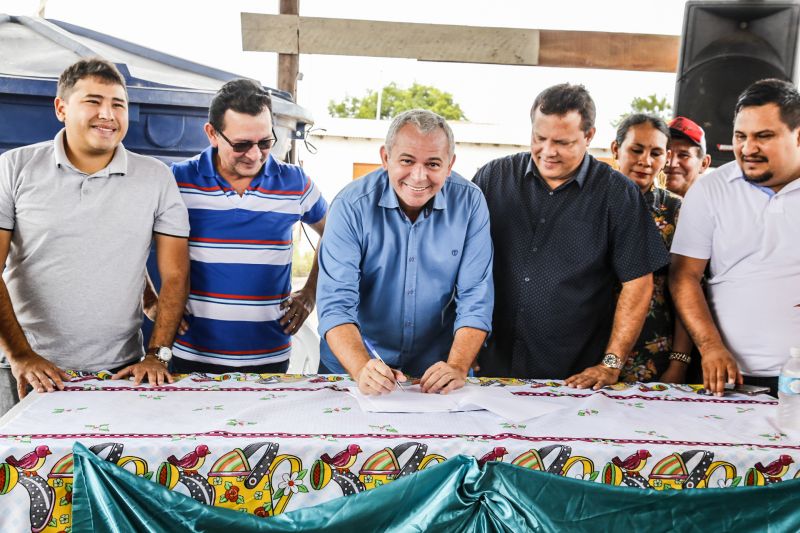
x=275, y=33
x=427, y=42
x=617, y=51
x=467, y=44
x=431, y=42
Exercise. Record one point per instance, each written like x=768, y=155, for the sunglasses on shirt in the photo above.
x=245, y=146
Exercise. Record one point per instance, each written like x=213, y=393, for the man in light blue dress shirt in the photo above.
x=406, y=263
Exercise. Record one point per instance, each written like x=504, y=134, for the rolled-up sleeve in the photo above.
x=474, y=283
x=339, y=268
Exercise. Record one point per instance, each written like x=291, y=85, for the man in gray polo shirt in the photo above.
x=77, y=216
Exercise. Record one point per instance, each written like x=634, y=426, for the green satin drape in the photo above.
x=456, y=495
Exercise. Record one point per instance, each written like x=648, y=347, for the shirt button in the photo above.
x=410, y=292
x=535, y=249
x=410, y=259
x=527, y=279
x=409, y=324
x=551, y=193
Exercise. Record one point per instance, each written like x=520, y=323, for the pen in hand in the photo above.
x=374, y=353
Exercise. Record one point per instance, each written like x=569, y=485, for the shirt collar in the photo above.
x=117, y=166
x=732, y=176
x=389, y=199
x=579, y=176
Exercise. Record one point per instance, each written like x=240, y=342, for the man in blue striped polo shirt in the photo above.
x=243, y=205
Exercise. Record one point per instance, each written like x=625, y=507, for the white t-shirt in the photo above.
x=752, y=238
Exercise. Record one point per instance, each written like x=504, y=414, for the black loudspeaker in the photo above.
x=726, y=46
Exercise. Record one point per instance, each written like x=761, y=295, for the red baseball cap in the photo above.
x=685, y=127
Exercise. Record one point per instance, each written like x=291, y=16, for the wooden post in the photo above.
x=289, y=64
x=289, y=67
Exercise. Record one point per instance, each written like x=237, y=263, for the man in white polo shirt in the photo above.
x=745, y=219
x=77, y=216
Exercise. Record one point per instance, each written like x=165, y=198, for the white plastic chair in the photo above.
x=304, y=358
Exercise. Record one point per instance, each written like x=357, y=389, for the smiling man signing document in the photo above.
x=406, y=262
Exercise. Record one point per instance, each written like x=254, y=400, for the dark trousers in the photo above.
x=323, y=369
x=182, y=366
x=771, y=382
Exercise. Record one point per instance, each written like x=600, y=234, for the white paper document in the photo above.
x=497, y=400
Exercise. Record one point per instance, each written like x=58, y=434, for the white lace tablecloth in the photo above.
x=266, y=444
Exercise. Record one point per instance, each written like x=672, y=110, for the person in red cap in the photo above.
x=688, y=158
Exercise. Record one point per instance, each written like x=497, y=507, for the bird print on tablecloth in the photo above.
x=634, y=462
x=777, y=468
x=192, y=461
x=344, y=459
x=31, y=461
x=495, y=455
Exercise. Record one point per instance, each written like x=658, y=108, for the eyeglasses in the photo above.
x=245, y=146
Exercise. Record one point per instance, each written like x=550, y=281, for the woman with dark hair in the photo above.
x=662, y=351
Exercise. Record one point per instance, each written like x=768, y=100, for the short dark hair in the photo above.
x=92, y=67
x=562, y=98
x=773, y=91
x=241, y=95
x=640, y=118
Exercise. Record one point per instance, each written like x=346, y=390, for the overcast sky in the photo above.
x=210, y=33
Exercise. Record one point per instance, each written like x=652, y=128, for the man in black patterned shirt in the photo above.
x=566, y=230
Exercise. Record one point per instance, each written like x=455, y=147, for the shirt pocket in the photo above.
x=580, y=243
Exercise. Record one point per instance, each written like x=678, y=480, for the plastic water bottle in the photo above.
x=789, y=393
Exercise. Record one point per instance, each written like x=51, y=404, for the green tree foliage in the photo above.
x=395, y=100
x=651, y=104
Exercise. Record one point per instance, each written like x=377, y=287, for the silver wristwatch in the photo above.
x=612, y=360
x=163, y=354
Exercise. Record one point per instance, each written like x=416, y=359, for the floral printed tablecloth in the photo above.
x=265, y=444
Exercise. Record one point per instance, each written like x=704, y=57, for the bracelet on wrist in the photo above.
x=681, y=357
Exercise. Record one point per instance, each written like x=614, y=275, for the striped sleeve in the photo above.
x=312, y=205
